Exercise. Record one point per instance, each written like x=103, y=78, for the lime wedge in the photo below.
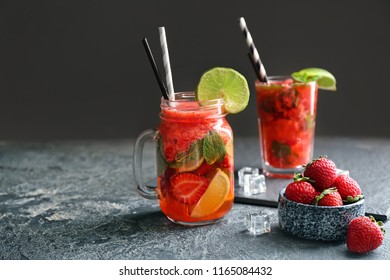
x=224, y=83
x=324, y=78
x=191, y=165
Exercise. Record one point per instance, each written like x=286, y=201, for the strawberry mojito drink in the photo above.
x=286, y=118
x=194, y=149
x=194, y=160
x=286, y=107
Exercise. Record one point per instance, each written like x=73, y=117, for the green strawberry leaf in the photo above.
x=379, y=223
x=323, y=194
x=213, y=148
x=351, y=199
x=298, y=177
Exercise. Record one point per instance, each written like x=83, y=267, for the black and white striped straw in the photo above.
x=167, y=65
x=260, y=70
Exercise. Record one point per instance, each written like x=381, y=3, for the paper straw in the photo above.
x=254, y=65
x=255, y=55
x=167, y=65
x=155, y=69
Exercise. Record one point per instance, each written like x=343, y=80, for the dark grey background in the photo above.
x=77, y=69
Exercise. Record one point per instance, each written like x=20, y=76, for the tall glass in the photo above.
x=195, y=161
x=286, y=117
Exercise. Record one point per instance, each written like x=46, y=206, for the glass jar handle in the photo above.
x=144, y=190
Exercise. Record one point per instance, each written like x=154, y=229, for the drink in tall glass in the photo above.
x=286, y=118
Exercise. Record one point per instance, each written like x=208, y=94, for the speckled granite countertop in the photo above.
x=77, y=200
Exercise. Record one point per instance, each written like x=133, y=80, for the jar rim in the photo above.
x=186, y=101
x=185, y=107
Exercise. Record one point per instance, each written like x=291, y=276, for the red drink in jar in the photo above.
x=195, y=161
x=286, y=118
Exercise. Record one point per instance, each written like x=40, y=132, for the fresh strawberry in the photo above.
x=300, y=191
x=364, y=235
x=348, y=188
x=188, y=188
x=329, y=197
x=321, y=172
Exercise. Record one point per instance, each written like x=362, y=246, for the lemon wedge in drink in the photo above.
x=226, y=83
x=214, y=197
x=324, y=78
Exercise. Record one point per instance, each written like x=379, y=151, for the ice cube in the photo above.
x=254, y=184
x=246, y=170
x=258, y=223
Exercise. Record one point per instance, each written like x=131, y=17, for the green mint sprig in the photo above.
x=325, y=80
x=304, y=78
x=213, y=147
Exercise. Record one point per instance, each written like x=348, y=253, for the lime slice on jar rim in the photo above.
x=225, y=83
x=324, y=78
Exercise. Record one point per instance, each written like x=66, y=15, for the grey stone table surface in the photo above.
x=77, y=200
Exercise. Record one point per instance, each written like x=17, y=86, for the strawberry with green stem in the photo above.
x=300, y=191
x=364, y=235
x=321, y=173
x=329, y=197
x=348, y=188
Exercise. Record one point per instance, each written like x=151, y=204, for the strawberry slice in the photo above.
x=188, y=188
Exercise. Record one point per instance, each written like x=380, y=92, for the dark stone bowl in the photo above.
x=317, y=222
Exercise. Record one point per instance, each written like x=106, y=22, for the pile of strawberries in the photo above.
x=320, y=185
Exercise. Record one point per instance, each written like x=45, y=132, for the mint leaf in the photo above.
x=324, y=79
x=193, y=153
x=213, y=148
x=304, y=78
x=280, y=150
